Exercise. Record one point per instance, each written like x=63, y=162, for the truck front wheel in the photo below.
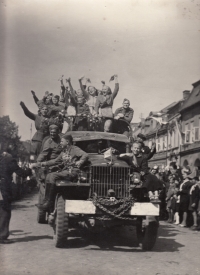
x=147, y=232
x=41, y=214
x=61, y=223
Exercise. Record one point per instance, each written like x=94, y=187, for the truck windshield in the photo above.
x=96, y=146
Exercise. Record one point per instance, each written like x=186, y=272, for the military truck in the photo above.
x=104, y=195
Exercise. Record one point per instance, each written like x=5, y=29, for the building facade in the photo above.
x=190, y=116
x=178, y=138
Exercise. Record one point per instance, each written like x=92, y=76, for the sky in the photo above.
x=152, y=45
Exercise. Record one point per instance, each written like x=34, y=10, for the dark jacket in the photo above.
x=8, y=165
x=128, y=113
x=142, y=163
x=50, y=149
x=41, y=124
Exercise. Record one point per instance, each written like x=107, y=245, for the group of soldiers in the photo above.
x=53, y=149
x=72, y=108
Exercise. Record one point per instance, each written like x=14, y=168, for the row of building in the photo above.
x=175, y=130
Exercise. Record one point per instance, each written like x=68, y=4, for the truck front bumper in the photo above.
x=87, y=207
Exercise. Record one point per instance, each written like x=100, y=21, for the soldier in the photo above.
x=8, y=166
x=47, y=99
x=70, y=159
x=124, y=113
x=104, y=104
x=51, y=147
x=56, y=107
x=41, y=125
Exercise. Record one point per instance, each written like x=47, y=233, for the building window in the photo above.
x=196, y=133
x=158, y=144
x=187, y=133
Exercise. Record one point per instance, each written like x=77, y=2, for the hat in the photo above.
x=125, y=99
x=53, y=126
x=186, y=170
x=56, y=96
x=194, y=174
x=68, y=137
x=141, y=136
x=155, y=167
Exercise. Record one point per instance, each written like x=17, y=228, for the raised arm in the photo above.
x=68, y=80
x=85, y=93
x=27, y=112
x=36, y=99
x=116, y=89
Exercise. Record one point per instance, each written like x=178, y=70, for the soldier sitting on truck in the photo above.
x=51, y=146
x=139, y=163
x=124, y=113
x=70, y=160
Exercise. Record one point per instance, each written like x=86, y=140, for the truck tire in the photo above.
x=61, y=224
x=147, y=235
x=41, y=214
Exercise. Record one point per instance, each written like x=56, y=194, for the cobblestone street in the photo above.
x=31, y=249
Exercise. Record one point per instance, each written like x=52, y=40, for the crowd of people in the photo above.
x=72, y=109
x=180, y=197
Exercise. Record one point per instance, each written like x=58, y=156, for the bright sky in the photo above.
x=153, y=46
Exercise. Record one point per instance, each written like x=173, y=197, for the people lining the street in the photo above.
x=8, y=166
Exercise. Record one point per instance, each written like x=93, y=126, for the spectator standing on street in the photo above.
x=8, y=166
x=184, y=194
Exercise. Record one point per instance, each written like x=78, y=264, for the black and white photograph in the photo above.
x=100, y=137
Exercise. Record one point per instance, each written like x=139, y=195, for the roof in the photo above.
x=164, y=110
x=194, y=97
x=89, y=135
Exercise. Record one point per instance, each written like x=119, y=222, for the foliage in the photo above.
x=9, y=136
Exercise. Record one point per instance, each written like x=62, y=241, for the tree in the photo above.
x=9, y=136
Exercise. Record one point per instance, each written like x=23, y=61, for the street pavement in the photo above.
x=31, y=249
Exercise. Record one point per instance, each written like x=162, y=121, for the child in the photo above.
x=176, y=206
x=169, y=199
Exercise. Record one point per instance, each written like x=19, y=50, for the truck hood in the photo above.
x=99, y=160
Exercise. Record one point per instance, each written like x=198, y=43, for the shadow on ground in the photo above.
x=122, y=239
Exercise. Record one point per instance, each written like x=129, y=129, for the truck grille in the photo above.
x=104, y=178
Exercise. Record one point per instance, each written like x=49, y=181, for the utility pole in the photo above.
x=30, y=141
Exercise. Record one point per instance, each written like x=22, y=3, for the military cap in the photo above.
x=68, y=137
x=141, y=136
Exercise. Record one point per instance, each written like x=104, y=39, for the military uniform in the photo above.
x=128, y=113
x=50, y=150
x=8, y=166
x=66, y=160
x=122, y=124
x=41, y=125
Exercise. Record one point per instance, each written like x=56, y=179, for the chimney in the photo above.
x=186, y=94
